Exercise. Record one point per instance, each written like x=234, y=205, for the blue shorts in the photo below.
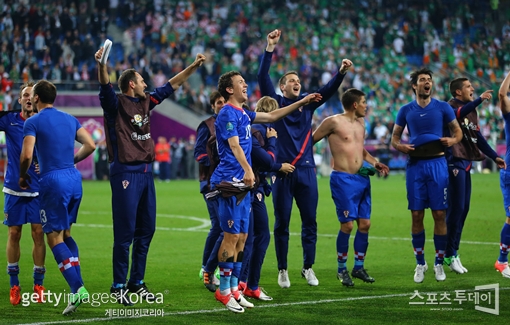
x=19, y=210
x=352, y=196
x=504, y=182
x=427, y=184
x=60, y=196
x=234, y=218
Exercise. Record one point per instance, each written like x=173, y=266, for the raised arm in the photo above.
x=249, y=177
x=182, y=76
x=88, y=145
x=325, y=128
x=502, y=94
x=262, y=117
x=331, y=87
x=395, y=140
x=471, y=106
x=265, y=83
x=102, y=69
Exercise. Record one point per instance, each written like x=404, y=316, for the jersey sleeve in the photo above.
x=108, y=98
x=160, y=94
x=4, y=121
x=200, y=150
x=29, y=127
x=265, y=83
x=226, y=124
x=448, y=114
x=251, y=115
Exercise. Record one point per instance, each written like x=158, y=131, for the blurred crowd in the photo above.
x=385, y=39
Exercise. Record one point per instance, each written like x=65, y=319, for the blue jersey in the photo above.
x=295, y=130
x=12, y=124
x=425, y=124
x=506, y=117
x=109, y=103
x=232, y=121
x=55, y=132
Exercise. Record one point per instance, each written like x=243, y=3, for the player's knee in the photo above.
x=14, y=233
x=346, y=227
x=364, y=226
x=38, y=235
x=439, y=215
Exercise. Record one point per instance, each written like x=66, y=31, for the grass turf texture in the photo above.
x=176, y=251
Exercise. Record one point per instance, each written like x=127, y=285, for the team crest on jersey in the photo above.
x=455, y=172
x=346, y=213
x=230, y=126
x=230, y=223
x=259, y=196
x=273, y=179
x=125, y=184
x=137, y=120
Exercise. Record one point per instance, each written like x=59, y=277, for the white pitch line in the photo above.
x=215, y=310
x=206, y=223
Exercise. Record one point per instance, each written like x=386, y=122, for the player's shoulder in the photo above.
x=440, y=103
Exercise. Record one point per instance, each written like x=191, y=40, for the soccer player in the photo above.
x=263, y=161
x=296, y=147
x=205, y=169
x=502, y=262
x=233, y=136
x=53, y=133
x=427, y=172
x=131, y=153
x=460, y=157
x=21, y=206
x=350, y=182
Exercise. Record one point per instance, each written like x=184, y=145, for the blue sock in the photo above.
x=39, y=274
x=63, y=257
x=342, y=247
x=419, y=247
x=455, y=253
x=13, y=271
x=225, y=275
x=118, y=285
x=440, y=242
x=505, y=242
x=236, y=271
x=360, y=249
x=73, y=247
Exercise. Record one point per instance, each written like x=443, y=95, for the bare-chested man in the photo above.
x=350, y=184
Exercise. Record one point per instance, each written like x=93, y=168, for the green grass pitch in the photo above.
x=175, y=259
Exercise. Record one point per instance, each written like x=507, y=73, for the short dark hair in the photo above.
x=413, y=78
x=46, y=91
x=283, y=79
x=214, y=97
x=25, y=85
x=350, y=97
x=456, y=84
x=124, y=79
x=225, y=82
